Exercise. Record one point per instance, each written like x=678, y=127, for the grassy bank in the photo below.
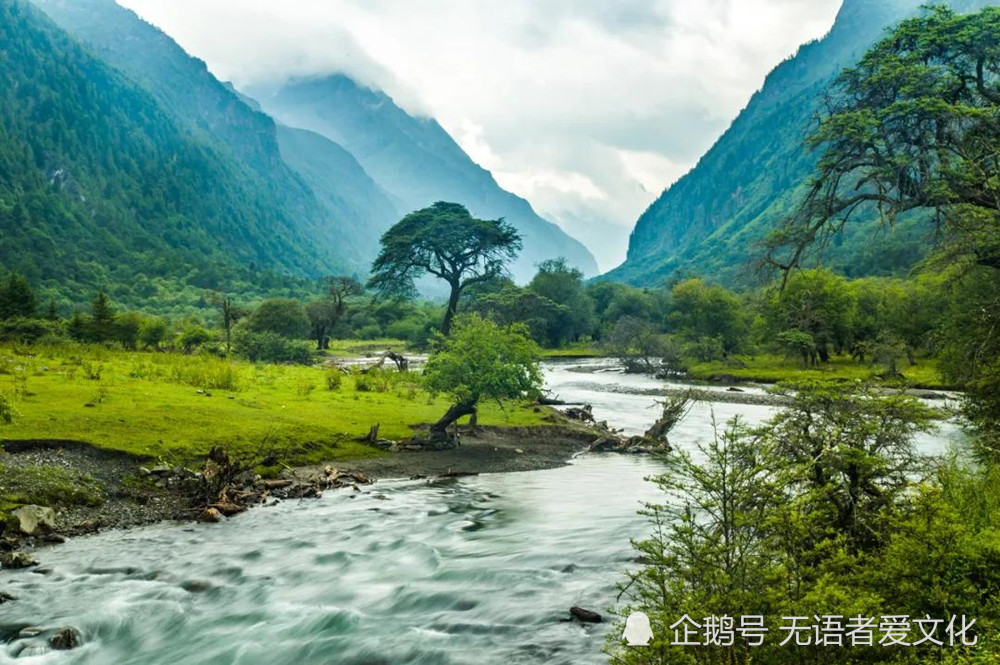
x=176, y=407
x=768, y=368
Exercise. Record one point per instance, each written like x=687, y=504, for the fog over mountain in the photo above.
x=587, y=109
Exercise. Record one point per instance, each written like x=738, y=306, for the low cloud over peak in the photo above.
x=588, y=108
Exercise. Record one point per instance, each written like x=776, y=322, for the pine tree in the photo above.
x=17, y=299
x=102, y=318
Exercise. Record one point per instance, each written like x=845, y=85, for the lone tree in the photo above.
x=443, y=240
x=482, y=360
x=325, y=313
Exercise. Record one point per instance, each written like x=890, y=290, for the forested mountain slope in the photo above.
x=416, y=160
x=336, y=207
x=709, y=222
x=99, y=186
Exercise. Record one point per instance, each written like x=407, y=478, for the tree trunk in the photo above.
x=449, y=314
x=439, y=430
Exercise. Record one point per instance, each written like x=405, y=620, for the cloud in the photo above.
x=578, y=105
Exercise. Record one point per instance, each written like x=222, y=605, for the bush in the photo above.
x=27, y=331
x=270, y=347
x=334, y=379
x=7, y=410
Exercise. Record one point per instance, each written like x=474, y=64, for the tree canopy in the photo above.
x=915, y=125
x=483, y=360
x=447, y=242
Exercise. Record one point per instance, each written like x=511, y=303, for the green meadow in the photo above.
x=176, y=407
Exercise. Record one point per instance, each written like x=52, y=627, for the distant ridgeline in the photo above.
x=709, y=223
x=125, y=164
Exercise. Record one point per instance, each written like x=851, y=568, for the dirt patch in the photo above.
x=125, y=499
x=488, y=450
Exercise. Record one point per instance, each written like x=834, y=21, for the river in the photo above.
x=475, y=570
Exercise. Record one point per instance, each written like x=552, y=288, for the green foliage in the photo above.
x=485, y=361
x=445, y=241
x=701, y=311
x=818, y=303
x=561, y=284
x=152, y=332
x=104, y=187
x=8, y=412
x=28, y=331
x=102, y=319
x=17, y=298
x=269, y=347
x=280, y=316
x=821, y=511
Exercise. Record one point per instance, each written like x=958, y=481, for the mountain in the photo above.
x=366, y=210
x=416, y=160
x=313, y=179
x=101, y=186
x=709, y=223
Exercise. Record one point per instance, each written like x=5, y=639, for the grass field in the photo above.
x=176, y=407
x=774, y=368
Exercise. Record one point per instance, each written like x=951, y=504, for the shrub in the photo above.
x=334, y=379
x=7, y=411
x=27, y=331
x=269, y=347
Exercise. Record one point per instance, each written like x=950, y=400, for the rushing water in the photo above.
x=476, y=570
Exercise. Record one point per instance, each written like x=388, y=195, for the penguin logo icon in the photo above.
x=638, y=632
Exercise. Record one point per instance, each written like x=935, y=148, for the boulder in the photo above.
x=65, y=639
x=586, y=616
x=210, y=515
x=35, y=519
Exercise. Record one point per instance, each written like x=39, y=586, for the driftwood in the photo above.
x=402, y=363
x=458, y=474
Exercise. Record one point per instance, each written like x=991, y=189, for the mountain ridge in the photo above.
x=414, y=159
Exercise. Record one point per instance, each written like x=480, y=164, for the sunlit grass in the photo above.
x=768, y=368
x=177, y=407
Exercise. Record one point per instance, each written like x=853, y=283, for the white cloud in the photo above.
x=588, y=108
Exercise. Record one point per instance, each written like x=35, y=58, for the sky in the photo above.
x=587, y=108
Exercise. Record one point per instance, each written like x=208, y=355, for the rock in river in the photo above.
x=65, y=639
x=585, y=616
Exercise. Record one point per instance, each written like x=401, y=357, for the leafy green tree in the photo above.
x=852, y=449
x=640, y=347
x=17, y=298
x=152, y=333
x=710, y=551
x=701, y=310
x=230, y=313
x=482, y=360
x=513, y=304
x=268, y=346
x=818, y=303
x=445, y=241
x=912, y=126
x=281, y=316
x=561, y=284
x=101, y=323
x=126, y=329
x=325, y=313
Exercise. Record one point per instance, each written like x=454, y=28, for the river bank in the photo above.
x=126, y=491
